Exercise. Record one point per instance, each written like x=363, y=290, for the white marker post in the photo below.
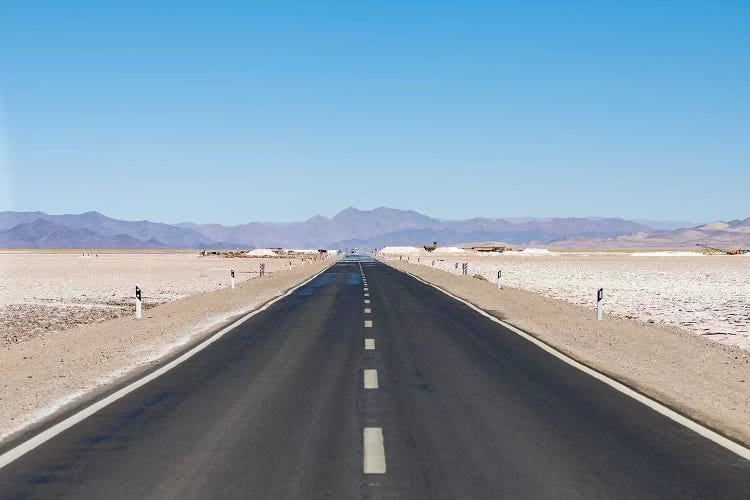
x=138, y=311
x=599, y=299
x=232, y=285
x=499, y=274
x=290, y=265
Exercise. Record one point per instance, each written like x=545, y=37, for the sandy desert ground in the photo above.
x=46, y=292
x=708, y=295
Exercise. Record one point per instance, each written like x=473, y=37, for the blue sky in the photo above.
x=230, y=112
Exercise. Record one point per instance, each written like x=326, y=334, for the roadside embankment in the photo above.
x=704, y=380
x=45, y=292
x=48, y=373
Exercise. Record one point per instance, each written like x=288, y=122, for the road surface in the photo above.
x=375, y=387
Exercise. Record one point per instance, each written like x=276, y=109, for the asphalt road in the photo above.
x=466, y=409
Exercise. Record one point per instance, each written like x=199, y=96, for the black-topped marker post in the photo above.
x=599, y=299
x=138, y=310
x=232, y=273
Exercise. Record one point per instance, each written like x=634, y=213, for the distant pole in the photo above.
x=138, y=311
x=290, y=265
x=599, y=299
x=499, y=274
x=232, y=272
x=433, y=264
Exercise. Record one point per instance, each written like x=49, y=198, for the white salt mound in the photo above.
x=402, y=250
x=442, y=250
x=261, y=252
x=666, y=254
x=536, y=251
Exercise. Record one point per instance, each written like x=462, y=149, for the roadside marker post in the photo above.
x=290, y=265
x=599, y=299
x=138, y=310
x=499, y=274
x=232, y=272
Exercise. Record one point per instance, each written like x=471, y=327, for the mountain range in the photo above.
x=350, y=228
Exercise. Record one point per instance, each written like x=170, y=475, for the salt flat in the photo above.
x=708, y=295
x=44, y=292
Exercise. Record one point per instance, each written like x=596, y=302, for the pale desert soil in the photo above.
x=707, y=295
x=46, y=372
x=706, y=380
x=48, y=292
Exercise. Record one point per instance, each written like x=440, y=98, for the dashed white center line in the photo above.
x=374, y=460
x=367, y=301
x=367, y=295
x=371, y=379
x=367, y=289
x=368, y=310
x=368, y=323
x=369, y=344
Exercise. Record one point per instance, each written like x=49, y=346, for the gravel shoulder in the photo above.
x=45, y=375
x=704, y=380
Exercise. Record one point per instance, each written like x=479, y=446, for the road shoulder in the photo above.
x=703, y=380
x=45, y=378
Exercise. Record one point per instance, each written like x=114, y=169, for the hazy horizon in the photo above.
x=510, y=218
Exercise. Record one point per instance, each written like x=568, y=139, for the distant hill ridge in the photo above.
x=348, y=228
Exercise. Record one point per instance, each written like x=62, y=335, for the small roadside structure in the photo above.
x=491, y=249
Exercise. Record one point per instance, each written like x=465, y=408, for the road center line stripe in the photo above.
x=369, y=344
x=367, y=295
x=374, y=459
x=367, y=301
x=694, y=426
x=368, y=310
x=371, y=379
x=368, y=323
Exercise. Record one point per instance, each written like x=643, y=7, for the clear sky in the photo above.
x=231, y=112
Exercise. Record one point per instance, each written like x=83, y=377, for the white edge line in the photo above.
x=47, y=434
x=694, y=426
